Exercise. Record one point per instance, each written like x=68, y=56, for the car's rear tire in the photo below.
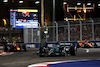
x=72, y=51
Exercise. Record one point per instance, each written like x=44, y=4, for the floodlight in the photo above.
x=64, y=3
x=37, y=2
x=5, y=0
x=45, y=32
x=20, y=1
x=84, y=11
x=78, y=3
x=88, y=4
x=99, y=4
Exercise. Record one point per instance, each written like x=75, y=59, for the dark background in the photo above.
x=30, y=4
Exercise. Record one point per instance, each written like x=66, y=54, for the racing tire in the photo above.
x=41, y=55
x=11, y=48
x=72, y=51
x=52, y=55
x=24, y=47
x=67, y=54
x=5, y=48
x=45, y=54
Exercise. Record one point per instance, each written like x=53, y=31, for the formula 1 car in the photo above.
x=63, y=50
x=84, y=44
x=12, y=47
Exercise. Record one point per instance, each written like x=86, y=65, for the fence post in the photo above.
x=53, y=20
x=53, y=32
x=31, y=34
x=80, y=30
x=65, y=33
x=92, y=28
x=25, y=35
x=68, y=31
x=56, y=31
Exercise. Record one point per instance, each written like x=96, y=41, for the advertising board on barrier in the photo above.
x=98, y=44
x=32, y=45
x=62, y=43
x=50, y=45
x=36, y=45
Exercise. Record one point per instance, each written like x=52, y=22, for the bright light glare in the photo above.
x=37, y=2
x=5, y=0
x=64, y=3
x=84, y=11
x=99, y=5
x=45, y=32
x=78, y=3
x=20, y=1
x=88, y=3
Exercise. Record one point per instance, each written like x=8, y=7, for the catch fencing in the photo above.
x=64, y=31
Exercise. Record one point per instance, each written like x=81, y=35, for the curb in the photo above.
x=2, y=53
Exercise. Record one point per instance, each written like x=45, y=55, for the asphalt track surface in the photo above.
x=23, y=59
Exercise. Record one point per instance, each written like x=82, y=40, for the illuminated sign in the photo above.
x=24, y=18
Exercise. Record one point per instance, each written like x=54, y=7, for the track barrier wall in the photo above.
x=37, y=45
